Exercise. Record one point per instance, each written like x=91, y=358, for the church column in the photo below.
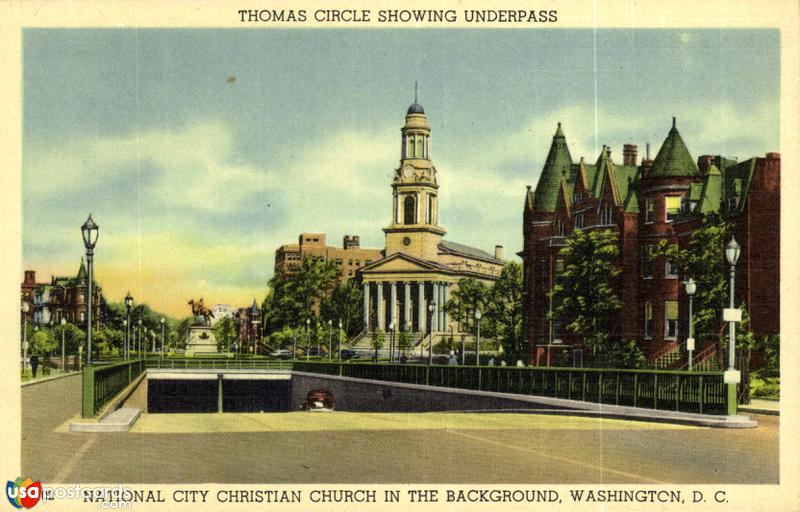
x=381, y=308
x=436, y=306
x=393, y=312
x=446, y=297
x=366, y=306
x=421, y=307
x=406, y=304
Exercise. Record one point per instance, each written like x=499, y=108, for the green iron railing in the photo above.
x=103, y=381
x=191, y=363
x=697, y=392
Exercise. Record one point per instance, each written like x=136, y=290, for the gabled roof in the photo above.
x=674, y=159
x=711, y=194
x=465, y=250
x=556, y=167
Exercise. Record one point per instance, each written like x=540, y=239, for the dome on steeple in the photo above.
x=415, y=108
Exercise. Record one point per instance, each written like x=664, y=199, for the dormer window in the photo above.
x=733, y=202
x=579, y=220
x=577, y=197
x=606, y=215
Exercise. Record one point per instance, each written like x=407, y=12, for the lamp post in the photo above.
x=294, y=342
x=431, y=308
x=308, y=337
x=391, y=341
x=128, y=327
x=63, y=345
x=139, y=338
x=732, y=315
x=162, y=336
x=691, y=288
x=339, y=340
x=25, y=308
x=90, y=232
x=478, y=337
x=330, y=340
x=125, y=340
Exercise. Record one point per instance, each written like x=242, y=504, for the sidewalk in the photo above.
x=54, y=374
x=761, y=406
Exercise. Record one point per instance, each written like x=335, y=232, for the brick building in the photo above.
x=348, y=258
x=248, y=327
x=645, y=203
x=63, y=297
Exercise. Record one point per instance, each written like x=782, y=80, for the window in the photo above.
x=409, y=210
x=673, y=204
x=670, y=269
x=579, y=220
x=606, y=215
x=559, y=231
x=543, y=273
x=649, y=207
x=648, y=320
x=671, y=319
x=419, y=147
x=83, y=316
x=577, y=197
x=428, y=209
x=411, y=148
x=647, y=260
x=733, y=202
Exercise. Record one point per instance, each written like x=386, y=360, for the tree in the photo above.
x=470, y=296
x=345, y=303
x=504, y=309
x=225, y=332
x=377, y=341
x=583, y=294
x=294, y=295
x=42, y=343
x=404, y=342
x=704, y=261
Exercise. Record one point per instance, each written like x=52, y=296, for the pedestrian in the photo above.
x=520, y=363
x=491, y=361
x=34, y=365
x=453, y=361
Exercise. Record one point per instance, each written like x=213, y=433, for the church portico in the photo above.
x=405, y=304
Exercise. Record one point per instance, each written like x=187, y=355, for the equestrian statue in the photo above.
x=202, y=315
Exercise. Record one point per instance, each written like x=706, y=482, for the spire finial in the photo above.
x=415, y=91
x=673, y=121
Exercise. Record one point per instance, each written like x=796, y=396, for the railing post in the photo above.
x=700, y=394
x=655, y=391
x=600, y=388
x=87, y=407
x=635, y=388
x=219, y=392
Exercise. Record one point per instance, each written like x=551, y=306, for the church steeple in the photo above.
x=415, y=211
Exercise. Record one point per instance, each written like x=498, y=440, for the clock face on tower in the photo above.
x=406, y=241
x=408, y=171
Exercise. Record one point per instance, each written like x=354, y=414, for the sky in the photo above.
x=200, y=151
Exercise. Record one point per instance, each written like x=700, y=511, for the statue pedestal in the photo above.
x=201, y=340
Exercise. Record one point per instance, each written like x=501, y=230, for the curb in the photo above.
x=757, y=410
x=47, y=379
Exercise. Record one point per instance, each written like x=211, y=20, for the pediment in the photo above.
x=399, y=262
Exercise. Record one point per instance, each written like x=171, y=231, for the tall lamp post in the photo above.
x=431, y=308
x=308, y=337
x=90, y=232
x=128, y=326
x=162, y=336
x=125, y=340
x=25, y=308
x=63, y=345
x=339, y=340
x=691, y=288
x=732, y=315
x=478, y=337
x=391, y=341
x=139, y=338
x=330, y=340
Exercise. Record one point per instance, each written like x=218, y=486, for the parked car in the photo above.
x=349, y=354
x=314, y=351
x=318, y=400
x=281, y=353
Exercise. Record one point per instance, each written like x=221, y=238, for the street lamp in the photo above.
x=308, y=337
x=139, y=338
x=330, y=340
x=162, y=336
x=478, y=337
x=90, y=232
x=125, y=341
x=339, y=340
x=732, y=315
x=431, y=308
x=63, y=357
x=391, y=341
x=691, y=289
x=25, y=308
x=128, y=328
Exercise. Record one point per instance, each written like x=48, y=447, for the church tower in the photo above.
x=415, y=228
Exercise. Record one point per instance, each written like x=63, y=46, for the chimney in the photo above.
x=351, y=242
x=30, y=277
x=499, y=252
x=629, y=154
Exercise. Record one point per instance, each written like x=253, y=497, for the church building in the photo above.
x=407, y=288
